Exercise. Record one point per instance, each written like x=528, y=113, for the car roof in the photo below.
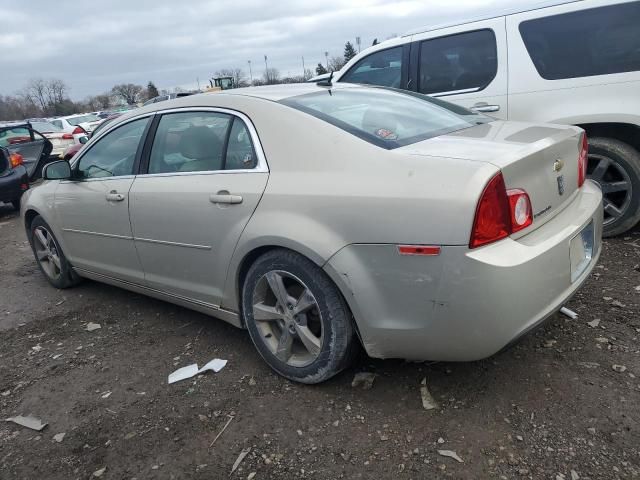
x=282, y=91
x=491, y=13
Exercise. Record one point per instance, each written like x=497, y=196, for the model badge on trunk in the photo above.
x=561, y=184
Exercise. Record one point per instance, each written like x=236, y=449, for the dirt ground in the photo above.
x=551, y=407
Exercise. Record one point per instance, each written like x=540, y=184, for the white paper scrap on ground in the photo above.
x=30, y=422
x=569, y=313
x=216, y=365
x=192, y=370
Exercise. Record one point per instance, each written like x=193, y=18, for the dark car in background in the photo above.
x=23, y=153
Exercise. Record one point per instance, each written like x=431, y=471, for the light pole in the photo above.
x=250, y=73
x=304, y=72
x=358, y=43
x=326, y=57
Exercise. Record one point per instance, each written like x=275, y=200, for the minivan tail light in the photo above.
x=500, y=212
x=68, y=136
x=78, y=130
x=16, y=159
x=582, y=160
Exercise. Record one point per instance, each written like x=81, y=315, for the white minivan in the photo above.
x=567, y=62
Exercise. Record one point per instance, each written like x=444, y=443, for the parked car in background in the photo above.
x=77, y=124
x=565, y=62
x=433, y=231
x=23, y=152
x=60, y=140
x=75, y=148
x=170, y=96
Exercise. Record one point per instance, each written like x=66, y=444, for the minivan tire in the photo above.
x=624, y=166
x=16, y=204
x=338, y=344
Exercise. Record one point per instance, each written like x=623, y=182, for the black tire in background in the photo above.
x=16, y=204
x=615, y=166
x=337, y=346
x=61, y=276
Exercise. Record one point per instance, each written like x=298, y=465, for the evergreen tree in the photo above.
x=152, y=90
x=320, y=69
x=349, y=52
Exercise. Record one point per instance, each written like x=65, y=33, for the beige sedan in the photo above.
x=322, y=218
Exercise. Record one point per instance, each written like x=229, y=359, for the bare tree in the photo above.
x=308, y=73
x=271, y=76
x=336, y=63
x=36, y=91
x=129, y=92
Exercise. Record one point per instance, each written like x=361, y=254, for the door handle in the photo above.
x=485, y=108
x=225, y=198
x=114, y=196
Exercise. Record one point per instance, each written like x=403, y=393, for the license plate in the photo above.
x=581, y=251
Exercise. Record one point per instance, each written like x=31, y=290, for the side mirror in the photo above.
x=60, y=170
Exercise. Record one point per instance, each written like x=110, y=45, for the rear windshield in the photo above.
x=385, y=117
x=45, y=127
x=82, y=119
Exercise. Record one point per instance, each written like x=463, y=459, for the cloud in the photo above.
x=173, y=43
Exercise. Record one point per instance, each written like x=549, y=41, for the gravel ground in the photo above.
x=553, y=406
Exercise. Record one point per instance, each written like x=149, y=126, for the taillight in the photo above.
x=500, y=213
x=520, y=206
x=78, y=130
x=68, y=136
x=582, y=160
x=16, y=159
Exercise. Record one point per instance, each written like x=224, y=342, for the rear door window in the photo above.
x=382, y=68
x=190, y=142
x=14, y=136
x=458, y=62
x=597, y=41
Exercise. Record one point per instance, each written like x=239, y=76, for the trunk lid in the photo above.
x=540, y=159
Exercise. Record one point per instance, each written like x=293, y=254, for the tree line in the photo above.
x=42, y=97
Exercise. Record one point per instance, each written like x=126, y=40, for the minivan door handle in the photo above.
x=485, y=108
x=114, y=196
x=225, y=198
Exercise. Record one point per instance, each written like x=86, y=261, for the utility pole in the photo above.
x=304, y=72
x=326, y=57
x=266, y=66
x=250, y=73
x=358, y=43
x=198, y=80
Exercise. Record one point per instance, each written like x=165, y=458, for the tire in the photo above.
x=49, y=256
x=324, y=321
x=615, y=166
x=16, y=204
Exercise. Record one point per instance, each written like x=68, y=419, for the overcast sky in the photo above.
x=94, y=45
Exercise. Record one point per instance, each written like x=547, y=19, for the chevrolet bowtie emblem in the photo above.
x=557, y=165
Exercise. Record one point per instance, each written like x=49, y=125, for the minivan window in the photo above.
x=387, y=118
x=458, y=62
x=382, y=68
x=598, y=41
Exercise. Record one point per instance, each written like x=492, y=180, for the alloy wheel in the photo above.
x=47, y=252
x=615, y=184
x=288, y=318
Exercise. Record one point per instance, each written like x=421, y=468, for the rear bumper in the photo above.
x=463, y=304
x=11, y=185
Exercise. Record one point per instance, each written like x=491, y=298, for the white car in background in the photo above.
x=60, y=140
x=78, y=125
x=553, y=61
